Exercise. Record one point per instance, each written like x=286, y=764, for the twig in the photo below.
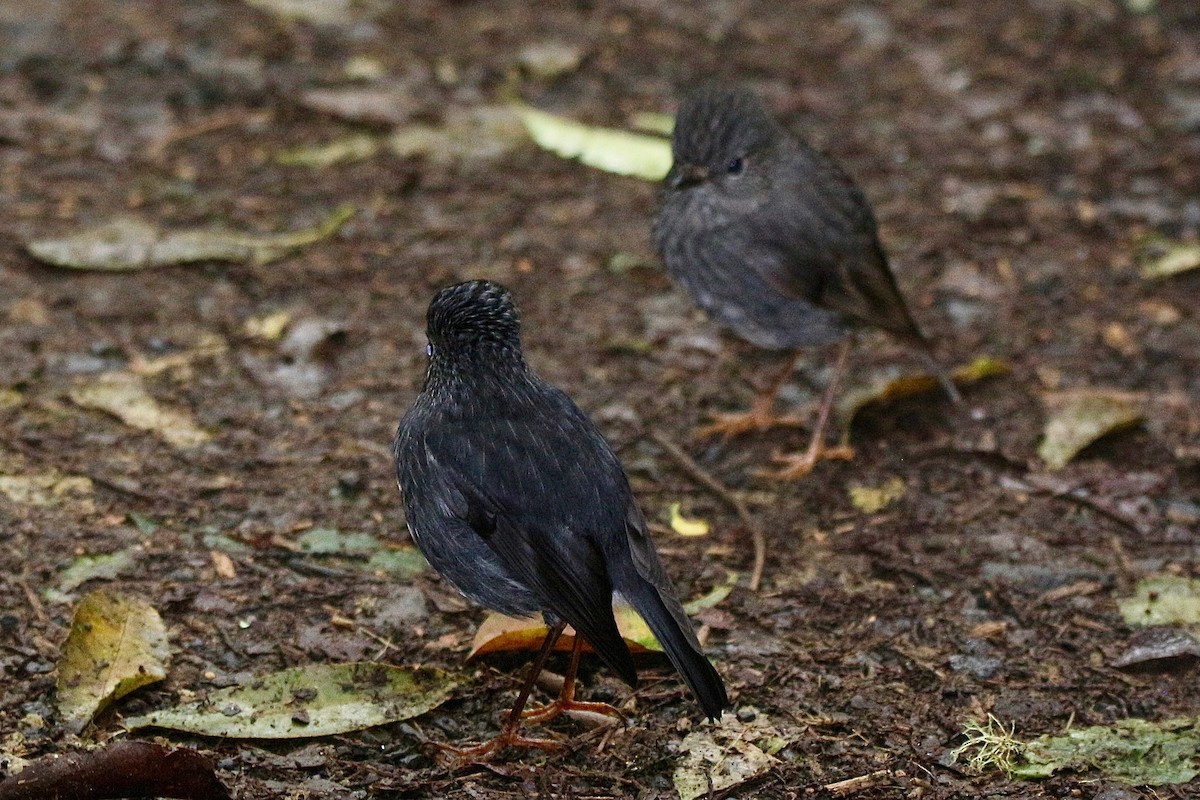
x=34, y=601
x=215, y=122
x=862, y=782
x=703, y=477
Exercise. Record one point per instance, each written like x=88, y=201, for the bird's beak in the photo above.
x=682, y=176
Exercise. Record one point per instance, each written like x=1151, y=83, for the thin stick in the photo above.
x=855, y=785
x=703, y=477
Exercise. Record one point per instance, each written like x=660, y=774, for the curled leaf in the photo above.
x=313, y=700
x=117, y=644
x=1161, y=258
x=687, y=526
x=888, y=388
x=616, y=151
x=356, y=147
x=1079, y=418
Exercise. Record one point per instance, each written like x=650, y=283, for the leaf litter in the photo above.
x=715, y=757
x=124, y=396
x=1081, y=417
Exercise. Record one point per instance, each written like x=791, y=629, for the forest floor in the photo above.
x=1018, y=157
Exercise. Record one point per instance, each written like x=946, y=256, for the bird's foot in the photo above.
x=591, y=713
x=798, y=465
x=756, y=418
x=510, y=736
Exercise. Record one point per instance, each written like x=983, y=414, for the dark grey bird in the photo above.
x=516, y=499
x=774, y=240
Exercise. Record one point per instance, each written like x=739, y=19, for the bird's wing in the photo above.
x=823, y=246
x=539, y=490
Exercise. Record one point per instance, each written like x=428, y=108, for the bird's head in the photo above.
x=472, y=320
x=720, y=136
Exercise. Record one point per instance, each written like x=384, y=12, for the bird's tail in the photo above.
x=672, y=628
x=925, y=353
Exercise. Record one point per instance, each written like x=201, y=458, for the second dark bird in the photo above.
x=515, y=498
x=775, y=241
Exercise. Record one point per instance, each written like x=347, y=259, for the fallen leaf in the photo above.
x=890, y=386
x=611, y=150
x=122, y=768
x=269, y=327
x=373, y=105
x=123, y=395
x=104, y=566
x=125, y=244
x=718, y=757
x=402, y=563
x=1158, y=646
x=686, y=526
x=348, y=149
x=1163, y=600
x=1160, y=258
x=479, y=132
x=873, y=499
x=1132, y=751
x=329, y=541
x=313, y=700
x=117, y=644
x=46, y=488
x=550, y=59
x=318, y=12
x=653, y=122
x=1080, y=417
x=503, y=634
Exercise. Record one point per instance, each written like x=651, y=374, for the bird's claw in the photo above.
x=798, y=465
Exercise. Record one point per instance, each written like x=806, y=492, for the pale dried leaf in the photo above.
x=1079, y=418
x=123, y=395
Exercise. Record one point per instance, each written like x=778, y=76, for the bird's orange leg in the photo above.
x=797, y=465
x=510, y=735
x=759, y=416
x=566, y=702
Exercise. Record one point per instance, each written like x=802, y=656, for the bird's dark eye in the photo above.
x=736, y=166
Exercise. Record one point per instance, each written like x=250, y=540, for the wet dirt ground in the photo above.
x=1015, y=154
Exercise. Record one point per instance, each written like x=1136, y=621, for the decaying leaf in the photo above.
x=119, y=769
x=1158, y=646
x=716, y=757
x=46, y=488
x=318, y=12
x=117, y=644
x=270, y=326
x=125, y=244
x=123, y=395
x=1079, y=418
x=550, y=59
x=872, y=499
x=687, y=526
x=1160, y=258
x=1163, y=600
x=1133, y=751
x=617, y=151
x=480, y=132
x=104, y=566
x=313, y=700
x=890, y=386
x=713, y=598
x=348, y=149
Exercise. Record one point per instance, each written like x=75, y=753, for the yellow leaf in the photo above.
x=870, y=499
x=686, y=526
x=117, y=644
x=611, y=150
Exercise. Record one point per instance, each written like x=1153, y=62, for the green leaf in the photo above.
x=1163, y=600
x=313, y=700
x=117, y=644
x=329, y=541
x=405, y=563
x=617, y=151
x=1133, y=751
